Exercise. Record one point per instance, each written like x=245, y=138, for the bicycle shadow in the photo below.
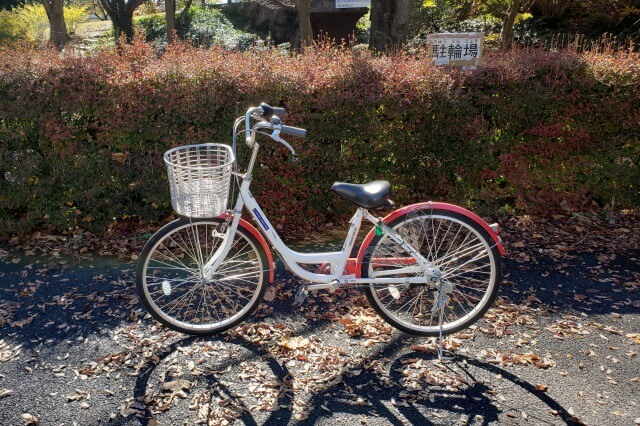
x=384, y=394
x=388, y=395
x=216, y=387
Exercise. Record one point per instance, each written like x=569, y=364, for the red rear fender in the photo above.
x=436, y=206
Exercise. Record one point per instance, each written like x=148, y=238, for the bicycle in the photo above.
x=427, y=269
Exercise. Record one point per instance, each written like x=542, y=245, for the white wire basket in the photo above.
x=199, y=178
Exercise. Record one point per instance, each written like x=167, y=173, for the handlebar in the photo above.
x=269, y=110
x=293, y=131
x=274, y=125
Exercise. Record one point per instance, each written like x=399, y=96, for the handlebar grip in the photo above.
x=268, y=110
x=294, y=131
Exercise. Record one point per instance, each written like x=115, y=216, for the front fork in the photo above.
x=227, y=234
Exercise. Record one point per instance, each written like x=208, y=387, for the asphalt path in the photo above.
x=76, y=348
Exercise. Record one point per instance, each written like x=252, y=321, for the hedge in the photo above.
x=82, y=135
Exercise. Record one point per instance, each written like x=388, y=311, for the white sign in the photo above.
x=352, y=4
x=456, y=49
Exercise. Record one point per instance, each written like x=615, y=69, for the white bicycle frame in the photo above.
x=293, y=259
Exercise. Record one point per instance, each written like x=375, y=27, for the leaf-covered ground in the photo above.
x=560, y=346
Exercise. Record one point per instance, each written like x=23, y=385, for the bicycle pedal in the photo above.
x=301, y=294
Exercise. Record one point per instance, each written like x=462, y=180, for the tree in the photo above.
x=303, y=8
x=170, y=13
x=612, y=13
x=97, y=9
x=121, y=14
x=389, y=23
x=552, y=9
x=57, y=26
x=508, y=11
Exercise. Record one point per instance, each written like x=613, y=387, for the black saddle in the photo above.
x=369, y=195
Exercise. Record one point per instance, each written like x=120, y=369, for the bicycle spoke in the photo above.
x=460, y=254
x=176, y=286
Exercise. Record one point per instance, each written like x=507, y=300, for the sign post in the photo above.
x=456, y=49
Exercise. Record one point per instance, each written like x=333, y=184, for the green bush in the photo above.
x=154, y=26
x=204, y=26
x=82, y=137
x=74, y=15
x=11, y=27
x=30, y=23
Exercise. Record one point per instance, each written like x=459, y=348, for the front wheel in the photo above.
x=463, y=254
x=171, y=283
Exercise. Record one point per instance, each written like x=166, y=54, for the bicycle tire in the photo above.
x=169, y=277
x=458, y=247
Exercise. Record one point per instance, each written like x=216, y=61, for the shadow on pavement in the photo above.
x=434, y=403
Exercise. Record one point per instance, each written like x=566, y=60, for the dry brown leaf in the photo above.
x=176, y=385
x=293, y=343
x=30, y=419
x=120, y=157
x=301, y=415
x=23, y=322
x=270, y=295
x=635, y=337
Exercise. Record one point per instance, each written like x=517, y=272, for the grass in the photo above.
x=92, y=33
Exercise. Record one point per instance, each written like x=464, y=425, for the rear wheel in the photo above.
x=171, y=284
x=461, y=250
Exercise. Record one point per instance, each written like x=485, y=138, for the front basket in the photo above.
x=199, y=178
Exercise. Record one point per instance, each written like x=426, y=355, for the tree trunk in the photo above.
x=121, y=15
x=182, y=18
x=303, y=7
x=57, y=26
x=401, y=20
x=381, y=17
x=170, y=11
x=506, y=34
x=389, y=23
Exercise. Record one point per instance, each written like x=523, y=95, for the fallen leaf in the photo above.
x=120, y=157
x=541, y=388
x=270, y=295
x=301, y=415
x=176, y=385
x=30, y=419
x=293, y=343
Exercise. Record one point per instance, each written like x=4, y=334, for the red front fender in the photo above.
x=254, y=232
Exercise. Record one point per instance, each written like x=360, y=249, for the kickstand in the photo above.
x=443, y=354
x=441, y=302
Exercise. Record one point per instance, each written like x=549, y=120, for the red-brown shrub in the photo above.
x=82, y=135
